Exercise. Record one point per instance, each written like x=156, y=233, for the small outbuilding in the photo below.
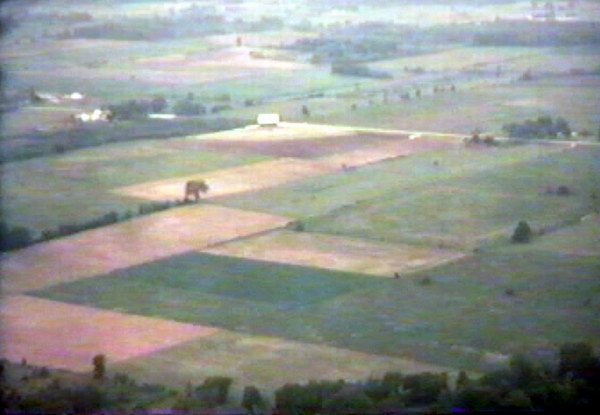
x=268, y=120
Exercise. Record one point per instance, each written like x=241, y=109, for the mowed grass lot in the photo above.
x=43, y=193
x=455, y=320
x=470, y=196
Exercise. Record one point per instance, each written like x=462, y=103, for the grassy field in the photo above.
x=484, y=193
x=476, y=207
x=510, y=59
x=338, y=253
x=45, y=192
x=455, y=320
x=263, y=361
x=485, y=107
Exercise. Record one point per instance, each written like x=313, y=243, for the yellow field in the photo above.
x=284, y=131
x=126, y=244
x=235, y=180
x=266, y=362
x=65, y=336
x=337, y=253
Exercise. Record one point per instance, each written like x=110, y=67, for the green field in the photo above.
x=453, y=321
x=278, y=322
x=262, y=361
x=42, y=193
x=485, y=107
x=484, y=193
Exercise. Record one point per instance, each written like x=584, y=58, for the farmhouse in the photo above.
x=96, y=115
x=268, y=120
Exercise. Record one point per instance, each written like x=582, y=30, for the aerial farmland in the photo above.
x=424, y=199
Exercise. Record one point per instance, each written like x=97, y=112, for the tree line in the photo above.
x=570, y=383
x=542, y=127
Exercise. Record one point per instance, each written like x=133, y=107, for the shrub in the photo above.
x=15, y=237
x=130, y=110
x=359, y=71
x=348, y=399
x=522, y=233
x=221, y=107
x=214, y=391
x=543, y=127
x=99, y=363
x=252, y=399
x=425, y=281
x=187, y=106
x=425, y=388
x=158, y=103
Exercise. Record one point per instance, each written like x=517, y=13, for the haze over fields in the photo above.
x=426, y=201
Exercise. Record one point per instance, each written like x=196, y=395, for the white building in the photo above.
x=268, y=120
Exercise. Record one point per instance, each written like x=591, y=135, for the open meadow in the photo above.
x=311, y=291
x=370, y=229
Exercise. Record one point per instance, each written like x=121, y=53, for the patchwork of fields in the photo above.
x=345, y=258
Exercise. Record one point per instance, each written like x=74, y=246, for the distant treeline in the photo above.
x=190, y=22
x=368, y=42
x=350, y=69
x=543, y=127
x=93, y=134
x=524, y=33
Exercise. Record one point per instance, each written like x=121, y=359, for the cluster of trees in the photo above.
x=353, y=69
x=41, y=392
x=42, y=143
x=524, y=385
x=543, y=127
x=186, y=22
x=136, y=109
x=189, y=106
x=14, y=237
x=522, y=233
x=366, y=42
x=525, y=33
x=570, y=382
x=186, y=106
x=108, y=30
x=213, y=392
x=369, y=42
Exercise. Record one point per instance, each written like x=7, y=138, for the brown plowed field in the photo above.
x=126, y=244
x=65, y=336
x=334, y=252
